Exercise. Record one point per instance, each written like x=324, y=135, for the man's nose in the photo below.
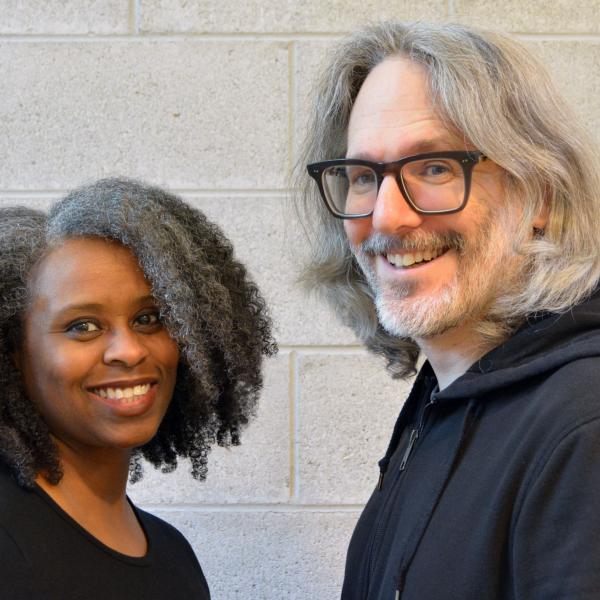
x=125, y=347
x=392, y=212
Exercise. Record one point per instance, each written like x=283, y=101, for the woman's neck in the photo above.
x=92, y=491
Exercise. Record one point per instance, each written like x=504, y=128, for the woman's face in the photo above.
x=95, y=358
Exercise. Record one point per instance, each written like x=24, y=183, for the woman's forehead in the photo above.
x=81, y=270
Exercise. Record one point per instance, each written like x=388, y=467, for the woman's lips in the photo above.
x=128, y=400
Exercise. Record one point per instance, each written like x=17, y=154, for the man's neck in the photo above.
x=454, y=351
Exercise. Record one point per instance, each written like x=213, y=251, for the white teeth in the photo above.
x=411, y=258
x=127, y=394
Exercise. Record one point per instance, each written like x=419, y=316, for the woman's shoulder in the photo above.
x=169, y=548
x=15, y=501
x=162, y=534
x=16, y=575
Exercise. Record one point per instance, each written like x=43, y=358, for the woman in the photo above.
x=128, y=331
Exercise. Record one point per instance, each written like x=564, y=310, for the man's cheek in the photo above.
x=357, y=230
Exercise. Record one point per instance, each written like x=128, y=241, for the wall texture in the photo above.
x=210, y=99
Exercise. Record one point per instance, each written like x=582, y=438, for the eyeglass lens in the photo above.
x=431, y=184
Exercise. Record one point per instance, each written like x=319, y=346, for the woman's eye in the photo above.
x=82, y=327
x=148, y=319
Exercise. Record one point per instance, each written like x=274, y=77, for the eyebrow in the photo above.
x=95, y=307
x=427, y=145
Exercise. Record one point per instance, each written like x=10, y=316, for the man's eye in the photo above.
x=83, y=327
x=436, y=170
x=362, y=177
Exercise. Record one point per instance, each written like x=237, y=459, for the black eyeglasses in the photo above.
x=435, y=183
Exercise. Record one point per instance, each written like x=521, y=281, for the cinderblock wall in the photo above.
x=209, y=99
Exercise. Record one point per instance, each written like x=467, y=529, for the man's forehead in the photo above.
x=394, y=80
x=394, y=116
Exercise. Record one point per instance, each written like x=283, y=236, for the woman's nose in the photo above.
x=125, y=347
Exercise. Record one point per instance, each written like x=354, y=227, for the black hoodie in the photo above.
x=490, y=489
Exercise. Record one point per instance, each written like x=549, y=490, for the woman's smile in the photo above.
x=126, y=400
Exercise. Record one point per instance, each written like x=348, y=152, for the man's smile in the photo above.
x=406, y=260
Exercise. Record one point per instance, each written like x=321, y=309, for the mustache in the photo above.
x=415, y=241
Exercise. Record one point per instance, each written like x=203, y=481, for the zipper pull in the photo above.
x=414, y=435
x=383, y=465
x=397, y=596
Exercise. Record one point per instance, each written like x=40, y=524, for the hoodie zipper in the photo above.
x=412, y=440
x=414, y=435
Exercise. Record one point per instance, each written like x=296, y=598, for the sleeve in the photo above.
x=556, y=537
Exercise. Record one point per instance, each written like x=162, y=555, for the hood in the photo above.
x=542, y=344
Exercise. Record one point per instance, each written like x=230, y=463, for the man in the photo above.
x=457, y=211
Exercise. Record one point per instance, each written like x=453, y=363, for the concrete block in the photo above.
x=286, y=16
x=347, y=409
x=535, y=16
x=256, y=471
x=310, y=60
x=193, y=114
x=64, y=17
x=35, y=202
x=267, y=239
x=269, y=555
x=575, y=68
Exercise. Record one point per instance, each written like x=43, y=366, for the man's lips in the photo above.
x=407, y=259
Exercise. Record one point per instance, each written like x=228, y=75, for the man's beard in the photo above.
x=486, y=268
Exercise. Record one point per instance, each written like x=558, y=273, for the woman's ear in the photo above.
x=15, y=357
x=14, y=350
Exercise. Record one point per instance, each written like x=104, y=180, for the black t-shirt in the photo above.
x=44, y=554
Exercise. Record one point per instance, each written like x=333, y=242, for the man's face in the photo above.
x=462, y=260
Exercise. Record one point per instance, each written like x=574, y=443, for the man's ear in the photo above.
x=540, y=220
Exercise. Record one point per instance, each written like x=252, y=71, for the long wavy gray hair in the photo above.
x=496, y=95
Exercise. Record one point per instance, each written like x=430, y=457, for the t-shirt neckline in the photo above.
x=134, y=560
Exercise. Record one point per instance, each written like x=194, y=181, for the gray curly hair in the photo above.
x=498, y=97
x=207, y=302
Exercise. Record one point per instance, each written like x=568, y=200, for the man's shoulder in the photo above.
x=578, y=379
x=561, y=400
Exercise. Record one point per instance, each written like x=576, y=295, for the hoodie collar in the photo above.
x=542, y=344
